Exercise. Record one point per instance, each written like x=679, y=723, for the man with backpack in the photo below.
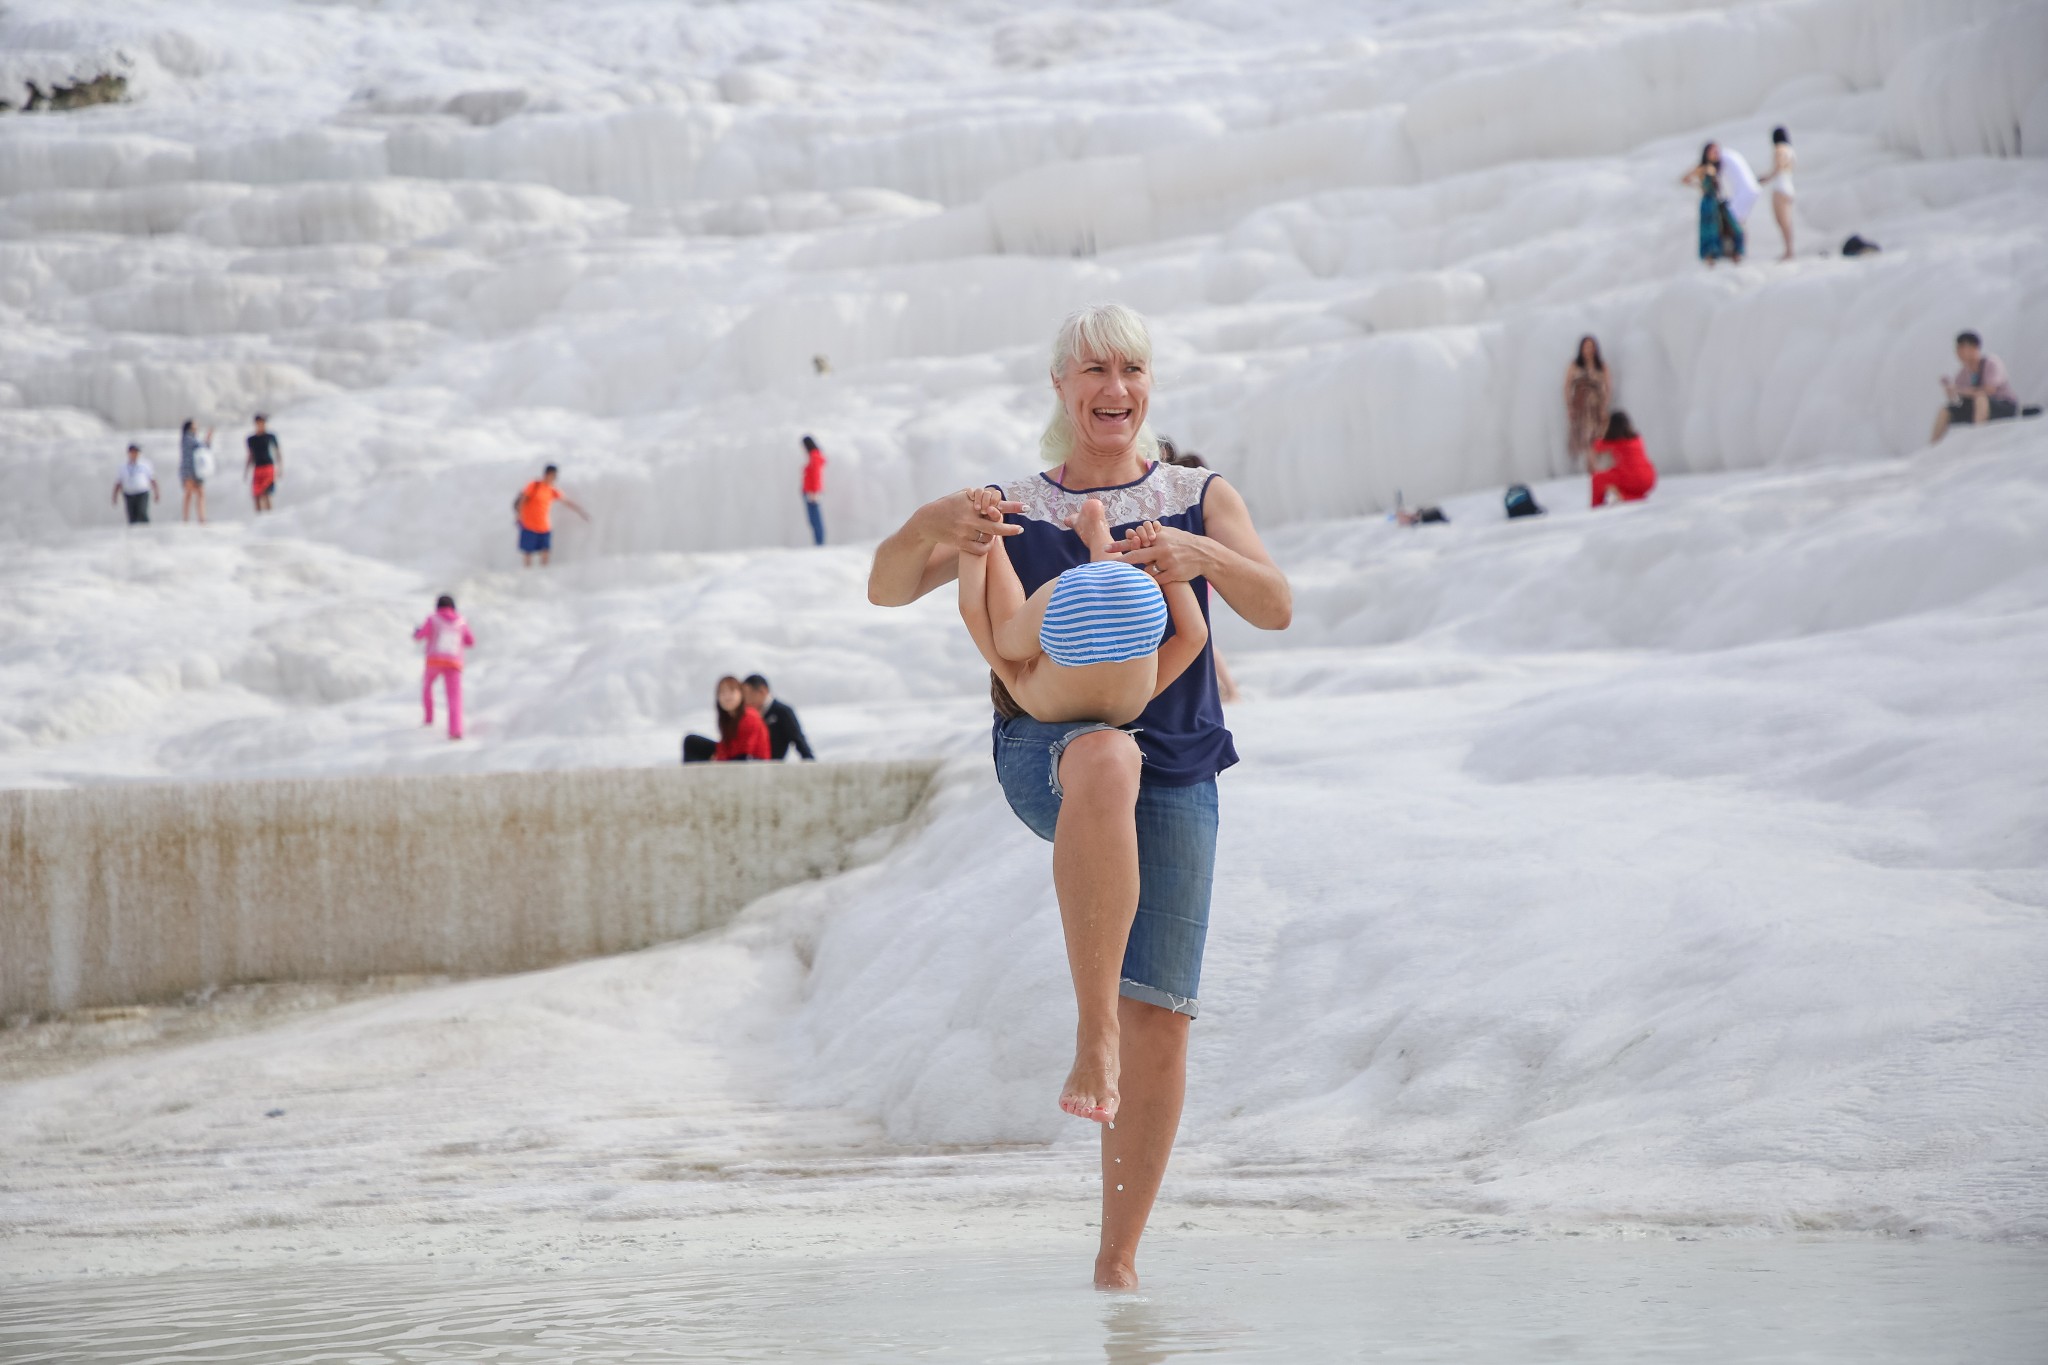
x=536, y=508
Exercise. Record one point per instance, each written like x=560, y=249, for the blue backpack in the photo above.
x=1520, y=502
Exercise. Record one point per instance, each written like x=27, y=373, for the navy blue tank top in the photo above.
x=1181, y=733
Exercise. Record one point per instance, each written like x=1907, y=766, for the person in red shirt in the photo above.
x=536, y=507
x=742, y=734
x=814, y=488
x=1620, y=465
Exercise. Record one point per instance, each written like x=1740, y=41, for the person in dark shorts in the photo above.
x=265, y=464
x=536, y=508
x=137, y=483
x=785, y=732
x=1979, y=393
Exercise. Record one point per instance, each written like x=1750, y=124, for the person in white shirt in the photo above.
x=137, y=483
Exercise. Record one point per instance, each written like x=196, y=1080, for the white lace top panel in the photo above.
x=1168, y=491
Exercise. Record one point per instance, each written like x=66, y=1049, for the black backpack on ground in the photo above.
x=1520, y=502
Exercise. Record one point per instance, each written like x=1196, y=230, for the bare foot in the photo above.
x=1091, y=523
x=1115, y=1274
x=1090, y=1091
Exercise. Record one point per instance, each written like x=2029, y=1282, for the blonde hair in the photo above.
x=1104, y=329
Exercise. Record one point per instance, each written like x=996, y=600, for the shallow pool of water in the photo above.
x=1215, y=1299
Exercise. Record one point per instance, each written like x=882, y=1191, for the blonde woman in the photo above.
x=1114, y=800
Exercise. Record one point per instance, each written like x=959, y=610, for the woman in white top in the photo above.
x=1780, y=180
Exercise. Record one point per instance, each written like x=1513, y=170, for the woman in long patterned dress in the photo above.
x=1588, y=392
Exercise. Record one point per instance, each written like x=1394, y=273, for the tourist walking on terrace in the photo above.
x=195, y=467
x=536, y=508
x=784, y=730
x=741, y=732
x=137, y=483
x=265, y=465
x=1720, y=227
x=1588, y=390
x=446, y=635
x=1779, y=178
x=1131, y=812
x=814, y=489
x=1621, y=466
x=1980, y=392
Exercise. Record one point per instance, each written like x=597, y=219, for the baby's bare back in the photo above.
x=1114, y=694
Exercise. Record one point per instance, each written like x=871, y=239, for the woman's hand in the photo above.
x=1166, y=552
x=966, y=521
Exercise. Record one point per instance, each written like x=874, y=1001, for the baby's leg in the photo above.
x=974, y=606
x=1091, y=523
x=1015, y=618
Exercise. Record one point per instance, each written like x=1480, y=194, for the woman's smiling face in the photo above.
x=1105, y=397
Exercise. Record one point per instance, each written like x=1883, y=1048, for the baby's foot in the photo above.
x=1091, y=523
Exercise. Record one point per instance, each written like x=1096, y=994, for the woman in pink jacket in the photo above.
x=446, y=635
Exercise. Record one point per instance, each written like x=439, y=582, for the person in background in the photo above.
x=814, y=489
x=1979, y=393
x=446, y=635
x=784, y=730
x=536, y=508
x=1779, y=178
x=265, y=465
x=190, y=475
x=741, y=732
x=137, y=483
x=1588, y=392
x=1629, y=474
x=1720, y=231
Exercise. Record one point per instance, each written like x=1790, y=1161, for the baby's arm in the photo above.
x=1190, y=633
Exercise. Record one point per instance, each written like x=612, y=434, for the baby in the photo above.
x=1085, y=646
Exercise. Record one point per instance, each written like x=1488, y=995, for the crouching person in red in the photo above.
x=1620, y=465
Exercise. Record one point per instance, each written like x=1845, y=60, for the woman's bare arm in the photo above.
x=924, y=553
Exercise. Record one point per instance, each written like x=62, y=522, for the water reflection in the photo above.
x=1234, y=1299
x=1144, y=1331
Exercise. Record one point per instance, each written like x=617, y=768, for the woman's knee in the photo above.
x=1102, y=765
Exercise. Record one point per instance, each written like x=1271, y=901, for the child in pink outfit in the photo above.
x=447, y=635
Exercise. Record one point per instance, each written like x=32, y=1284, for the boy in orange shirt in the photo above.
x=535, y=505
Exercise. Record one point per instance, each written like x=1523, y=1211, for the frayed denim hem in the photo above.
x=1166, y=1000
x=1059, y=749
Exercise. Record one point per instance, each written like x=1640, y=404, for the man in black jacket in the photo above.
x=783, y=727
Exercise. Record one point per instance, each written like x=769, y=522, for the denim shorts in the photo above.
x=1176, y=858
x=535, y=542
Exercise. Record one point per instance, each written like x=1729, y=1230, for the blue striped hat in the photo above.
x=1103, y=613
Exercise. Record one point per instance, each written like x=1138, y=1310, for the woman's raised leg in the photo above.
x=1095, y=872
